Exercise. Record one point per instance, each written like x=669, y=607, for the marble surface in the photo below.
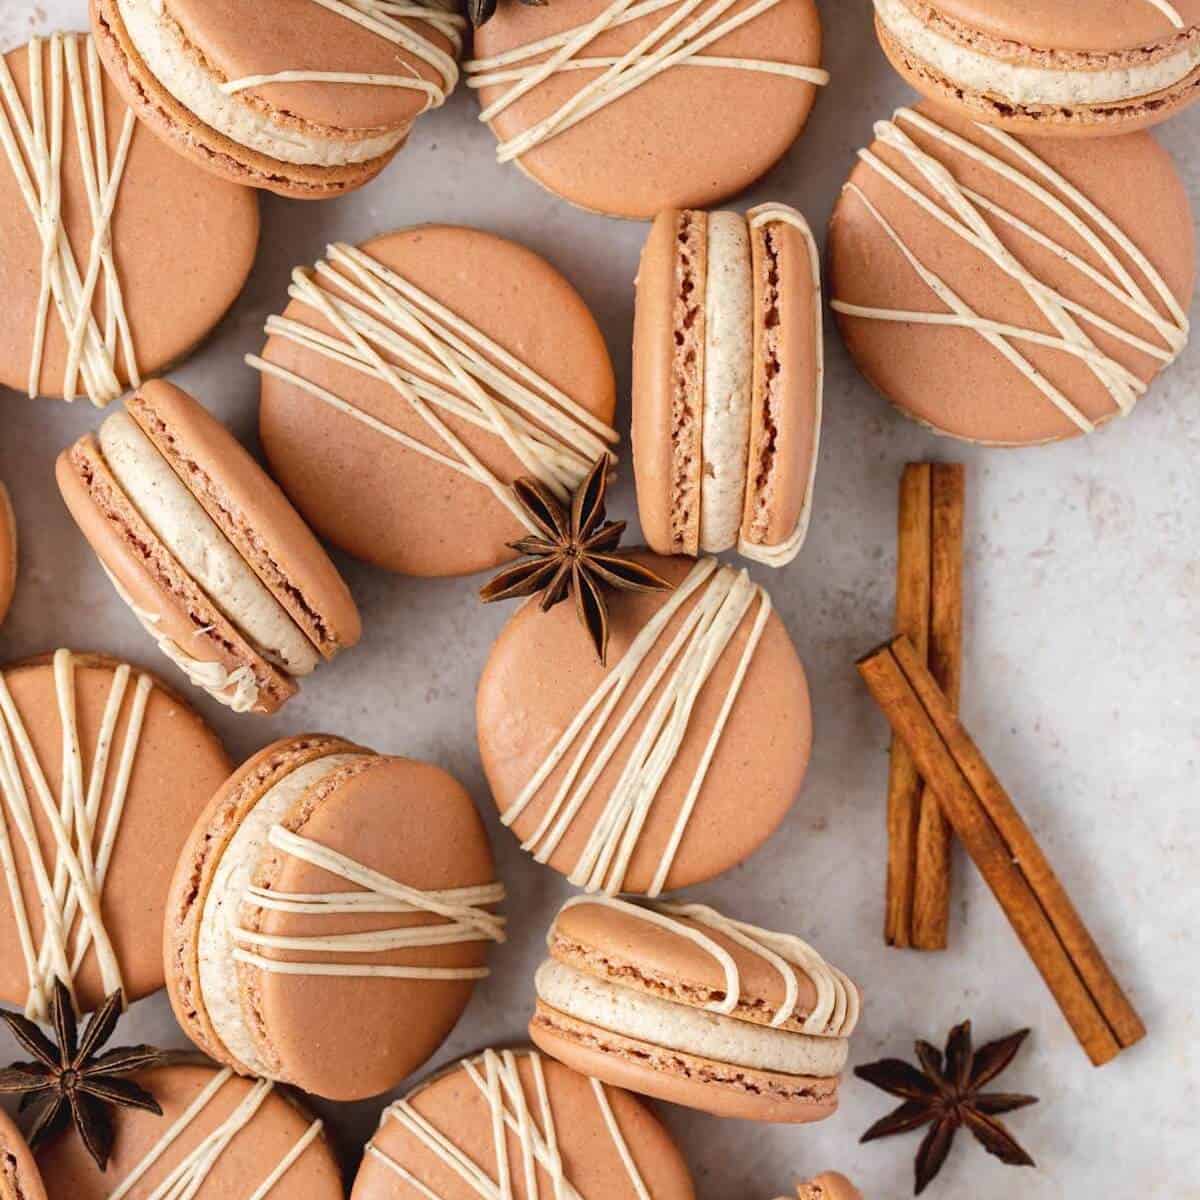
x=1082, y=656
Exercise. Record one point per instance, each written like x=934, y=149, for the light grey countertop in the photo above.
x=1082, y=670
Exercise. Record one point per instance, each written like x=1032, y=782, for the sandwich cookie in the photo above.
x=678, y=1002
x=20, y=1178
x=8, y=552
x=412, y=379
x=667, y=767
x=330, y=916
x=1009, y=291
x=728, y=371
x=206, y=550
x=219, y=1136
x=574, y=89
x=307, y=98
x=118, y=259
x=830, y=1186
x=514, y=1124
x=1055, y=67
x=102, y=774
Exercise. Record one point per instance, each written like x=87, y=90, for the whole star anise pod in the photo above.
x=71, y=1080
x=482, y=11
x=572, y=554
x=947, y=1094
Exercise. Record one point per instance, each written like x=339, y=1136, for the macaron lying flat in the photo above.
x=8, y=552
x=678, y=1002
x=20, y=1178
x=830, y=1186
x=559, y=1129
x=330, y=916
x=308, y=98
x=1055, y=67
x=206, y=550
x=727, y=381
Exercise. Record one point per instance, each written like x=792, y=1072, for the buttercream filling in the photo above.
x=165, y=50
x=977, y=72
x=688, y=1030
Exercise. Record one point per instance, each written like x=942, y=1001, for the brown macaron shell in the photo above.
x=8, y=552
x=829, y=1186
x=20, y=1178
x=183, y=244
x=243, y=1166
x=382, y=501
x=542, y=671
x=921, y=368
x=178, y=763
x=739, y=123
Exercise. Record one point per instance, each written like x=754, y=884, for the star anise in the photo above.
x=573, y=553
x=71, y=1080
x=947, y=1094
x=482, y=11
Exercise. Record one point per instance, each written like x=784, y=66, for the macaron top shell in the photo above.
x=8, y=552
x=20, y=1178
x=830, y=1186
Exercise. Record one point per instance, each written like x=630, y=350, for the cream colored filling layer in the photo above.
x=1031, y=85
x=219, y=920
x=165, y=51
x=690, y=1030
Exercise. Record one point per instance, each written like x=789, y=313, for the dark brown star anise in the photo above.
x=947, y=1094
x=482, y=11
x=573, y=553
x=71, y=1080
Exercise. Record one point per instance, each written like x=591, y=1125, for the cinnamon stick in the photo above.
x=988, y=824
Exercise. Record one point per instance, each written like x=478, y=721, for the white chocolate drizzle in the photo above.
x=498, y=1079
x=192, y=1171
x=69, y=896
x=836, y=1012
x=677, y=40
x=34, y=144
x=464, y=911
x=387, y=19
x=682, y=669
x=389, y=330
x=1169, y=11
x=963, y=212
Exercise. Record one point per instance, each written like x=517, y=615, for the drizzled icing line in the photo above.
x=33, y=142
x=836, y=1012
x=675, y=41
x=498, y=1079
x=69, y=899
x=1169, y=11
x=685, y=665
x=192, y=1172
x=962, y=211
x=464, y=911
x=389, y=330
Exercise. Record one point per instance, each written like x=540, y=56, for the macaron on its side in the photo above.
x=20, y=1178
x=831, y=1185
x=8, y=552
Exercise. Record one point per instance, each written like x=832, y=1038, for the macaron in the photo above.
x=118, y=259
x=1011, y=291
x=86, y=739
x=412, y=379
x=20, y=1178
x=728, y=373
x=612, y=106
x=681, y=1003
x=330, y=916
x=666, y=767
x=1051, y=68
x=219, y=1135
x=8, y=552
x=206, y=550
x=513, y=1123
x=309, y=99
x=830, y=1186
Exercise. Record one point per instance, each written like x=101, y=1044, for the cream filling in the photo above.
x=219, y=920
x=1031, y=85
x=196, y=542
x=690, y=1030
x=163, y=48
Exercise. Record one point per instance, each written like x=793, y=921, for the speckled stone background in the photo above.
x=1082, y=683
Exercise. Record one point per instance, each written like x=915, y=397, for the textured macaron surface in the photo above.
x=20, y=1178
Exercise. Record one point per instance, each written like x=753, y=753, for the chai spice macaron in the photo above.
x=612, y=105
x=1052, y=68
x=118, y=259
x=563, y=1134
x=99, y=743
x=412, y=379
x=307, y=98
x=20, y=1178
x=206, y=550
x=330, y=916
x=829, y=1186
x=681, y=1003
x=8, y=552
x=1011, y=291
x=728, y=375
